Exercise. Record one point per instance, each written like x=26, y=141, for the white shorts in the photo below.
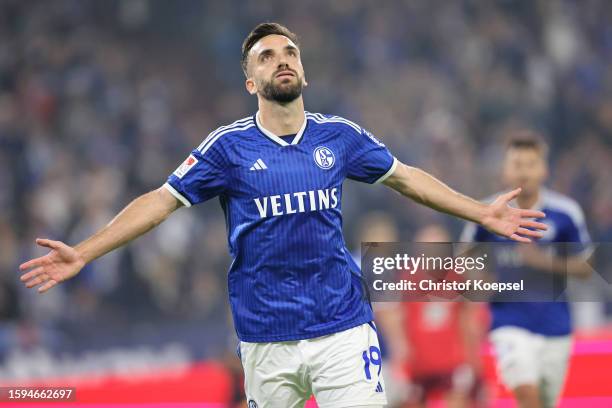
x=341, y=369
x=525, y=358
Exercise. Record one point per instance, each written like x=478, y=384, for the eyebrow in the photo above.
x=286, y=47
x=267, y=51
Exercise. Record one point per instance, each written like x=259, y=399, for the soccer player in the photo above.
x=532, y=340
x=296, y=295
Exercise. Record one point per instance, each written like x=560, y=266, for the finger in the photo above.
x=529, y=233
x=48, y=243
x=511, y=195
x=32, y=263
x=37, y=280
x=534, y=224
x=32, y=274
x=532, y=214
x=51, y=283
x=518, y=238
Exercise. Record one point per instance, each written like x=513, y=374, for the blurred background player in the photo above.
x=532, y=340
x=432, y=349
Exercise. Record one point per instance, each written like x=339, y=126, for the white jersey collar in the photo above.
x=277, y=139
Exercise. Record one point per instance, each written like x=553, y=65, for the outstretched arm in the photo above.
x=497, y=217
x=64, y=262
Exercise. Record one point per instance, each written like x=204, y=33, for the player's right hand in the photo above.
x=62, y=263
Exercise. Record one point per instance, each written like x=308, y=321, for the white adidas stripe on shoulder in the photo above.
x=211, y=141
x=239, y=122
x=336, y=117
x=567, y=205
x=319, y=121
x=469, y=232
x=318, y=118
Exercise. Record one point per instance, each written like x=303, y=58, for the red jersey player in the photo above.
x=434, y=347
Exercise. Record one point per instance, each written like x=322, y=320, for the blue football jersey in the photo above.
x=292, y=276
x=566, y=223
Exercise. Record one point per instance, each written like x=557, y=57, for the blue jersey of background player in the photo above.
x=295, y=294
x=512, y=323
x=292, y=276
x=525, y=166
x=566, y=224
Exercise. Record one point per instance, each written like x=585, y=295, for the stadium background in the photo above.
x=100, y=101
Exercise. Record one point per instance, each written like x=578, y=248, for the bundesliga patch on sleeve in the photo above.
x=186, y=166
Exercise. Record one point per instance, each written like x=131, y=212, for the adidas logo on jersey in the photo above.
x=259, y=165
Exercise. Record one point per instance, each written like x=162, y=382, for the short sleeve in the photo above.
x=369, y=160
x=473, y=232
x=200, y=177
x=576, y=231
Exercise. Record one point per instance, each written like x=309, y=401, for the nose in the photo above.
x=282, y=60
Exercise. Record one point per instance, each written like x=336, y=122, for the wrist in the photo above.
x=483, y=215
x=82, y=255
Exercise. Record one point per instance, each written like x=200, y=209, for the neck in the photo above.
x=528, y=201
x=282, y=119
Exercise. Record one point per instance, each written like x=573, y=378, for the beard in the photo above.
x=282, y=92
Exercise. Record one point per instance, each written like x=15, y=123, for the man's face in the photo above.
x=275, y=69
x=525, y=168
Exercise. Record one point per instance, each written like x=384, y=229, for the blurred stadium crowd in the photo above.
x=100, y=101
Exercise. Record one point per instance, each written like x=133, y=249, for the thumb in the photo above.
x=511, y=195
x=47, y=243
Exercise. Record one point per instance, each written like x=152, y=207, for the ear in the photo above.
x=305, y=82
x=250, y=86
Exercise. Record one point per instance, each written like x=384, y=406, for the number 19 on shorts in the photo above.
x=371, y=357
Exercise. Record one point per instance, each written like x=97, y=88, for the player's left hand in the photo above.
x=513, y=223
